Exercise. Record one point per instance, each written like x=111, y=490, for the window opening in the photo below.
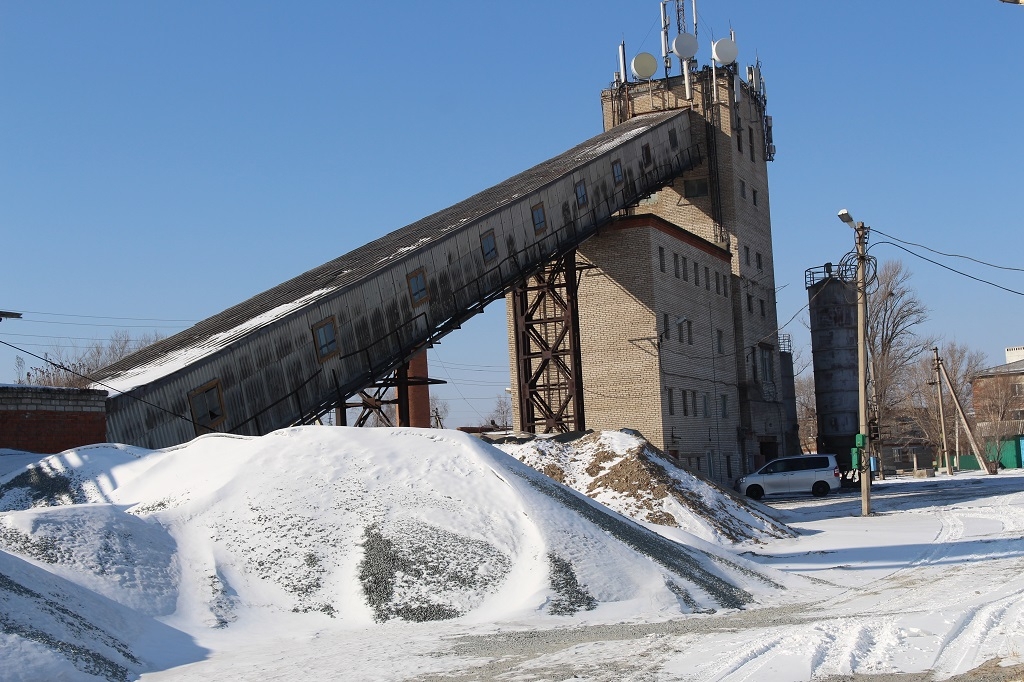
x=675, y=264
x=540, y=222
x=673, y=140
x=489, y=246
x=661, y=258
x=325, y=338
x=617, y=171
x=207, y=403
x=646, y=153
x=760, y=264
x=581, y=194
x=697, y=187
x=418, y=286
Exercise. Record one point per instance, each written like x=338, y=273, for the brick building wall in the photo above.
x=50, y=420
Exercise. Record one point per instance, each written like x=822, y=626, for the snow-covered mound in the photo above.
x=363, y=525
x=624, y=472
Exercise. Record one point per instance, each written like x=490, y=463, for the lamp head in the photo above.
x=845, y=216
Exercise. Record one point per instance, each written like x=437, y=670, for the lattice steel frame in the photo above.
x=548, y=359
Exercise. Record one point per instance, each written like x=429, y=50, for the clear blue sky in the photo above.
x=168, y=160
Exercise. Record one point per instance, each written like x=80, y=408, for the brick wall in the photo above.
x=50, y=420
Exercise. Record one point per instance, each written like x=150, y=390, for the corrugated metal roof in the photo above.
x=356, y=265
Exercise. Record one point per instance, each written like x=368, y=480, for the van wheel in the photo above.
x=820, y=489
x=755, y=492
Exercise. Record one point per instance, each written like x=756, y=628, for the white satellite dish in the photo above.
x=684, y=46
x=644, y=65
x=724, y=51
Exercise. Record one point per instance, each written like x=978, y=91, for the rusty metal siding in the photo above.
x=270, y=376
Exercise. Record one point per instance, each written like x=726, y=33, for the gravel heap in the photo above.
x=623, y=471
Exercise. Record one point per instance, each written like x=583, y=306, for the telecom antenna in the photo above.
x=664, y=37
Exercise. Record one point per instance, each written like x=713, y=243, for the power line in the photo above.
x=948, y=255
x=98, y=324
x=105, y=317
x=942, y=265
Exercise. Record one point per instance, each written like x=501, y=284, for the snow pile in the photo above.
x=624, y=472
x=352, y=526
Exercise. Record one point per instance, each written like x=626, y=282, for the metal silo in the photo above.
x=832, y=294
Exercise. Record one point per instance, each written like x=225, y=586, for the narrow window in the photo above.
x=725, y=406
x=664, y=326
x=689, y=332
x=725, y=286
x=750, y=303
x=418, y=286
x=767, y=363
x=693, y=402
x=671, y=403
x=1018, y=390
x=207, y=404
x=743, y=189
x=760, y=264
x=675, y=264
x=753, y=362
x=617, y=172
x=661, y=258
x=739, y=138
x=728, y=467
x=686, y=405
x=718, y=282
x=707, y=278
x=754, y=196
x=696, y=274
x=646, y=153
x=720, y=335
x=751, y=130
x=489, y=246
x=746, y=254
x=695, y=188
x=673, y=140
x=581, y=194
x=540, y=221
x=325, y=338
x=686, y=270
x=761, y=302
x=707, y=405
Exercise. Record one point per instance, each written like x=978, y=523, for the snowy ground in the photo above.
x=248, y=559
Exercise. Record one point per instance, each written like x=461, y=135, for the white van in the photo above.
x=815, y=474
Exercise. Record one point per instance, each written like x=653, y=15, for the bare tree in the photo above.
x=71, y=366
x=806, y=412
x=439, y=411
x=501, y=416
x=998, y=404
x=895, y=314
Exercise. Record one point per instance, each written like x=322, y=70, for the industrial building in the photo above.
x=678, y=335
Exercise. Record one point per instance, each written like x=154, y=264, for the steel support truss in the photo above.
x=549, y=367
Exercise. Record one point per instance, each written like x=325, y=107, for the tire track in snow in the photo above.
x=968, y=644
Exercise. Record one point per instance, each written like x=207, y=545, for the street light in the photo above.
x=861, y=232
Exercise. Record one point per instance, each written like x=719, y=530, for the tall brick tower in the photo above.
x=678, y=331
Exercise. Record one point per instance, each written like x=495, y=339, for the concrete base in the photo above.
x=924, y=473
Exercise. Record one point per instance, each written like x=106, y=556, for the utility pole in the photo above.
x=861, y=232
x=942, y=412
